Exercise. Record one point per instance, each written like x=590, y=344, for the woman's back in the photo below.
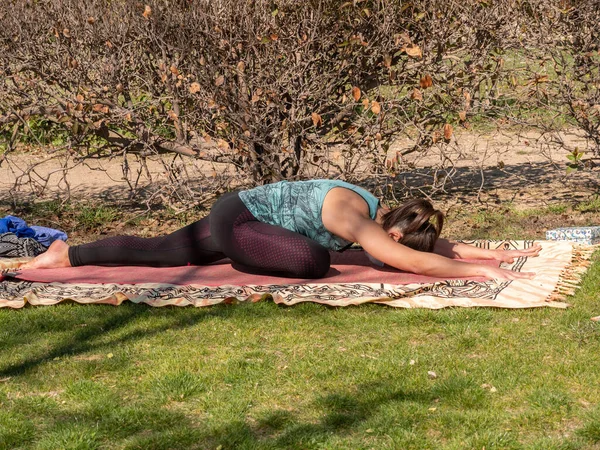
x=297, y=207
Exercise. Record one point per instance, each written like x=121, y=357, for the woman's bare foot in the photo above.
x=56, y=256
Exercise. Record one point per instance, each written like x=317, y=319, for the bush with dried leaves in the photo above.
x=288, y=89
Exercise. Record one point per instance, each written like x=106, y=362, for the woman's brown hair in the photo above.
x=419, y=222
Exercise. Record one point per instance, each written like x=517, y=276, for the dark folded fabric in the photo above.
x=12, y=246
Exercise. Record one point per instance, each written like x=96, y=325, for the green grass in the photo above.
x=96, y=216
x=506, y=219
x=83, y=219
x=260, y=376
x=263, y=376
x=592, y=205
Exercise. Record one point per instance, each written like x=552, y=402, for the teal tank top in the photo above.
x=296, y=206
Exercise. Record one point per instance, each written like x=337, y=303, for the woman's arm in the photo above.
x=346, y=215
x=377, y=243
x=452, y=249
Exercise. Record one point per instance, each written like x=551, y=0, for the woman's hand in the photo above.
x=509, y=256
x=497, y=273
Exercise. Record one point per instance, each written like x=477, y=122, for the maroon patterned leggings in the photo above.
x=229, y=231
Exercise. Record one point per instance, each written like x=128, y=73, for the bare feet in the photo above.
x=56, y=256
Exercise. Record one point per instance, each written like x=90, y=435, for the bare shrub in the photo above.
x=282, y=90
x=575, y=60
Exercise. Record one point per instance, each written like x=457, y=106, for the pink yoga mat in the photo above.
x=351, y=266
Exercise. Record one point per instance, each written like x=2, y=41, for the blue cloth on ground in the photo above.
x=16, y=225
x=47, y=236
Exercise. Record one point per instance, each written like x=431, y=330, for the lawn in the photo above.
x=311, y=377
x=254, y=376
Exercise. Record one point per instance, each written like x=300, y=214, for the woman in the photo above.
x=288, y=228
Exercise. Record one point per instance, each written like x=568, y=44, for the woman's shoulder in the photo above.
x=345, y=200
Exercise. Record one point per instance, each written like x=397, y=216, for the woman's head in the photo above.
x=416, y=223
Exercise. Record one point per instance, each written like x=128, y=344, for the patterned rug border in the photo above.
x=557, y=283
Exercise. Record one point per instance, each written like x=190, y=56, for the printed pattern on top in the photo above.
x=296, y=206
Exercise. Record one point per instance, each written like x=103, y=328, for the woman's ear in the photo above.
x=395, y=234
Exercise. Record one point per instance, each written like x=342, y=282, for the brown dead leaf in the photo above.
x=413, y=50
x=147, y=11
x=220, y=80
x=274, y=37
x=416, y=95
x=426, y=81
x=467, y=96
x=99, y=107
x=255, y=97
x=241, y=66
x=356, y=93
x=194, y=88
x=91, y=20
x=316, y=119
x=462, y=115
x=366, y=102
x=174, y=70
x=448, y=131
x=172, y=115
x=375, y=107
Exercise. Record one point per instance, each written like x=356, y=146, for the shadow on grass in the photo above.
x=93, y=337
x=366, y=415
x=97, y=422
x=153, y=426
x=369, y=408
x=88, y=326
x=383, y=412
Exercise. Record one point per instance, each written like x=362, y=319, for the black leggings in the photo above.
x=229, y=231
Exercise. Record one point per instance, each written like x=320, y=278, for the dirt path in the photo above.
x=526, y=168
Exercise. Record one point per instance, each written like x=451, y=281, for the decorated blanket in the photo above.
x=352, y=280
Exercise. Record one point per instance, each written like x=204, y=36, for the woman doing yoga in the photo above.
x=288, y=228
